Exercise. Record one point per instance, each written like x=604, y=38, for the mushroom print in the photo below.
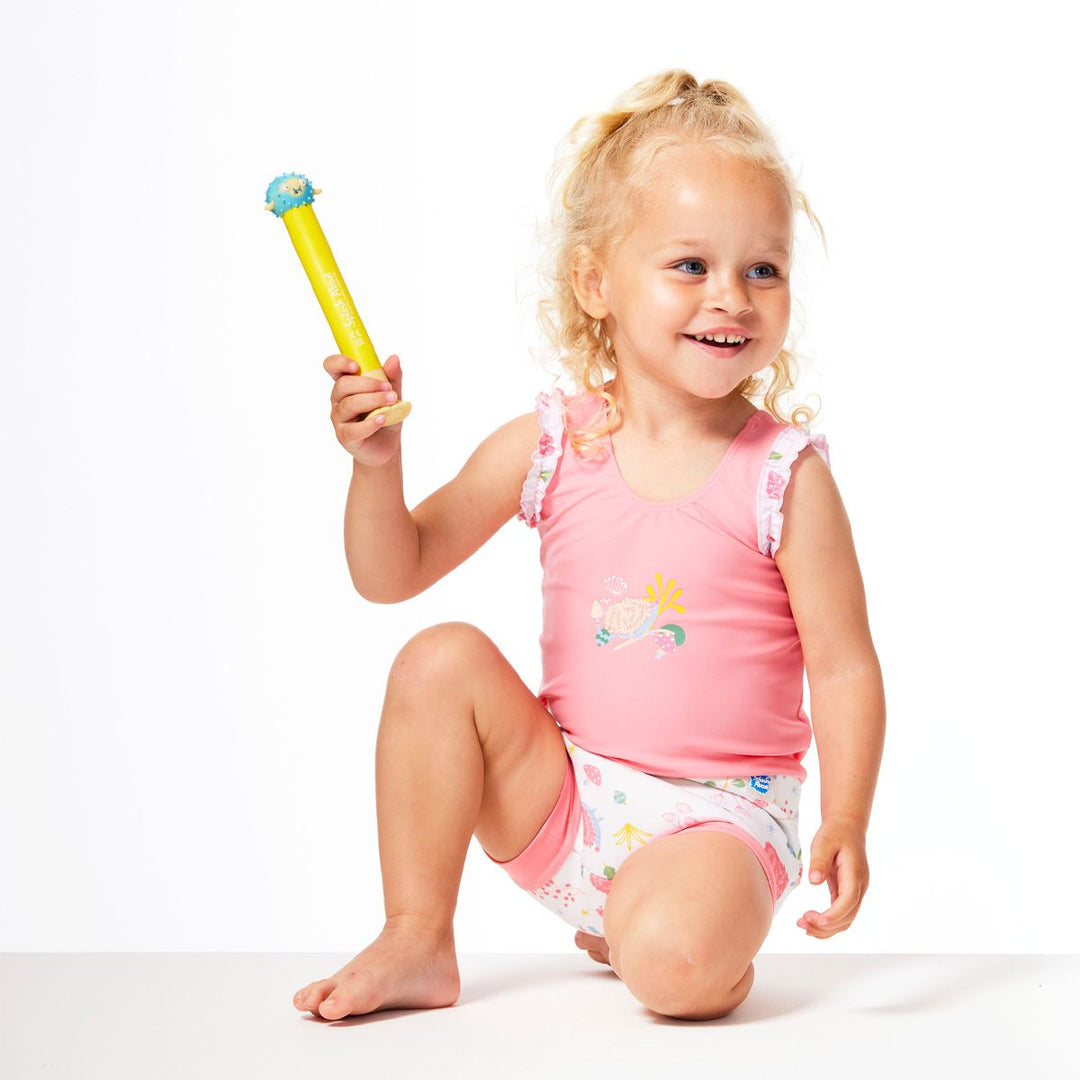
x=633, y=618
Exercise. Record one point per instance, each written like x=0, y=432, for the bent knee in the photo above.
x=444, y=650
x=687, y=987
x=680, y=975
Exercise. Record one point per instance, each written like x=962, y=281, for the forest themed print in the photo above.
x=630, y=619
x=623, y=809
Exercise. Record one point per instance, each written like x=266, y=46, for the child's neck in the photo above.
x=648, y=418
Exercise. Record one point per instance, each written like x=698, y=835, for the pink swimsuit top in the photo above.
x=668, y=642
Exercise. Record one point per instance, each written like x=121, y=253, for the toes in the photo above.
x=333, y=1007
x=310, y=997
x=595, y=946
x=352, y=995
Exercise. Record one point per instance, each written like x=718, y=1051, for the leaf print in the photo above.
x=628, y=834
x=665, y=598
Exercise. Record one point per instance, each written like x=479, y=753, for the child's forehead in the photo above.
x=679, y=211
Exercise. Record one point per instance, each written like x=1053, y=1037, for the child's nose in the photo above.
x=727, y=294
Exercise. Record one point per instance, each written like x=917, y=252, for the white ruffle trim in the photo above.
x=775, y=475
x=544, y=457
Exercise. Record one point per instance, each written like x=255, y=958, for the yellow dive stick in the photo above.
x=290, y=196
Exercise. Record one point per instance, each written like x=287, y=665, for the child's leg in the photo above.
x=463, y=746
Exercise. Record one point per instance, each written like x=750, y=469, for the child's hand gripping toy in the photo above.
x=290, y=196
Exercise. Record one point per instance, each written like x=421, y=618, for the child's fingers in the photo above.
x=348, y=406
x=392, y=367
x=354, y=435
x=338, y=366
x=342, y=368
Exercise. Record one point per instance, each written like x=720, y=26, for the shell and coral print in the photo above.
x=633, y=618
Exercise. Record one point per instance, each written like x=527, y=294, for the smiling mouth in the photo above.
x=719, y=347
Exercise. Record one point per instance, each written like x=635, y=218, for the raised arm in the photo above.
x=398, y=554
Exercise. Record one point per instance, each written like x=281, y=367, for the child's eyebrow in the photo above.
x=767, y=248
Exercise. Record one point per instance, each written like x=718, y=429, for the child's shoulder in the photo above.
x=517, y=439
x=530, y=442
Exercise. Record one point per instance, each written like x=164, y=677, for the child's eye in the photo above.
x=774, y=272
x=685, y=262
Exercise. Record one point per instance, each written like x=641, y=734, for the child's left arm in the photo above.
x=816, y=558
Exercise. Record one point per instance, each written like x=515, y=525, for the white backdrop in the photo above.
x=191, y=688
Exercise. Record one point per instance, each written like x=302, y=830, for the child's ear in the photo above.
x=586, y=278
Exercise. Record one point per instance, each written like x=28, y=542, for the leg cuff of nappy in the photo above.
x=549, y=848
x=775, y=873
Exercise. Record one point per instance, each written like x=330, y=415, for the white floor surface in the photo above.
x=159, y=1016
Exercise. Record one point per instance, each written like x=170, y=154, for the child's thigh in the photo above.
x=525, y=761
x=697, y=892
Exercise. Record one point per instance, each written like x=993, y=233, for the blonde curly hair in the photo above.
x=614, y=151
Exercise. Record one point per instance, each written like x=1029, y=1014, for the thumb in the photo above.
x=392, y=367
x=821, y=858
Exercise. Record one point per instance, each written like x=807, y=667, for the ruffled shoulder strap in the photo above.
x=544, y=457
x=775, y=475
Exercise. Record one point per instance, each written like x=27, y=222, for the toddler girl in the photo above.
x=696, y=555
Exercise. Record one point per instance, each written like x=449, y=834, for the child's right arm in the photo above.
x=393, y=554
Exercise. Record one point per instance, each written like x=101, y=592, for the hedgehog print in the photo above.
x=634, y=618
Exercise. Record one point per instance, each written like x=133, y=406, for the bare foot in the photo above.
x=398, y=970
x=595, y=946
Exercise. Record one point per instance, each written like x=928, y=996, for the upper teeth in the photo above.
x=720, y=337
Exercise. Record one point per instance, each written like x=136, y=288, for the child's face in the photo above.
x=655, y=293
